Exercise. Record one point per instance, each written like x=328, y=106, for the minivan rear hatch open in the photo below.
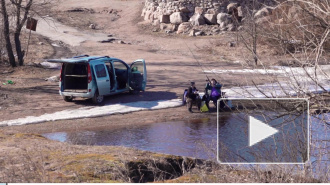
x=75, y=74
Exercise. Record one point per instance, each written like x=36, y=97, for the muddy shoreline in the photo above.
x=117, y=120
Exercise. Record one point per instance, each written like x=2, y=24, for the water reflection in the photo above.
x=320, y=145
x=287, y=146
x=193, y=138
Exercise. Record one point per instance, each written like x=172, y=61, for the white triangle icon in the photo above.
x=259, y=131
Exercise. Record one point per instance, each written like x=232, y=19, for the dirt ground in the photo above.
x=172, y=60
x=171, y=64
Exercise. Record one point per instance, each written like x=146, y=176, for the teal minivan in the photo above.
x=98, y=76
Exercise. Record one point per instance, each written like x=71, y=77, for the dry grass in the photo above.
x=32, y=158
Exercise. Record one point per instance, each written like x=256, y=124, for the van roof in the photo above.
x=78, y=59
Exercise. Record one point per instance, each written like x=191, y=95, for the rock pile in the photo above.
x=191, y=16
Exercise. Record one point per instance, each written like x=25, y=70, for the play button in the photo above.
x=264, y=131
x=259, y=131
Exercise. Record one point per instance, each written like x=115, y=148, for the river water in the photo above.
x=193, y=138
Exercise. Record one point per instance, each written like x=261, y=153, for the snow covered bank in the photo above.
x=88, y=112
x=260, y=71
x=274, y=90
x=279, y=70
x=294, y=80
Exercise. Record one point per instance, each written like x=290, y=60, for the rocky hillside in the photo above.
x=200, y=17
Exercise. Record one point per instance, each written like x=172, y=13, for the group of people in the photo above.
x=212, y=92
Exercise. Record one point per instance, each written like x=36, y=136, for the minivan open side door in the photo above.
x=138, y=75
x=102, y=78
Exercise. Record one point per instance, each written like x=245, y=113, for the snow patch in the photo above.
x=89, y=112
x=297, y=81
x=273, y=90
x=55, y=45
x=53, y=79
x=260, y=71
x=49, y=65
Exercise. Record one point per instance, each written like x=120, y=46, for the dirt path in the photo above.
x=54, y=30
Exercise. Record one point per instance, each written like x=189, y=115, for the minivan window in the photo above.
x=100, y=71
x=119, y=65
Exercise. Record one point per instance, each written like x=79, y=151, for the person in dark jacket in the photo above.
x=212, y=92
x=193, y=97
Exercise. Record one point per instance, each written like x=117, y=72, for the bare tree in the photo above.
x=250, y=31
x=2, y=46
x=6, y=33
x=20, y=10
x=20, y=21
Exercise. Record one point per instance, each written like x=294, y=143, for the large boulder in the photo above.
x=192, y=33
x=263, y=20
x=164, y=19
x=240, y=11
x=199, y=33
x=176, y=9
x=184, y=27
x=226, y=22
x=212, y=11
x=223, y=27
x=143, y=12
x=162, y=4
x=199, y=10
x=184, y=9
x=216, y=4
x=224, y=18
x=175, y=3
x=156, y=15
x=197, y=20
x=148, y=16
x=210, y=19
x=156, y=22
x=163, y=26
x=167, y=11
x=231, y=27
x=231, y=7
x=263, y=12
x=178, y=18
x=170, y=27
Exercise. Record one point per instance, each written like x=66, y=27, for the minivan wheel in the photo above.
x=97, y=99
x=68, y=98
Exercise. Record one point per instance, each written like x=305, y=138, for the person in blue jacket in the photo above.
x=212, y=92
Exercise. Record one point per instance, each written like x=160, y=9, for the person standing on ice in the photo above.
x=212, y=92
